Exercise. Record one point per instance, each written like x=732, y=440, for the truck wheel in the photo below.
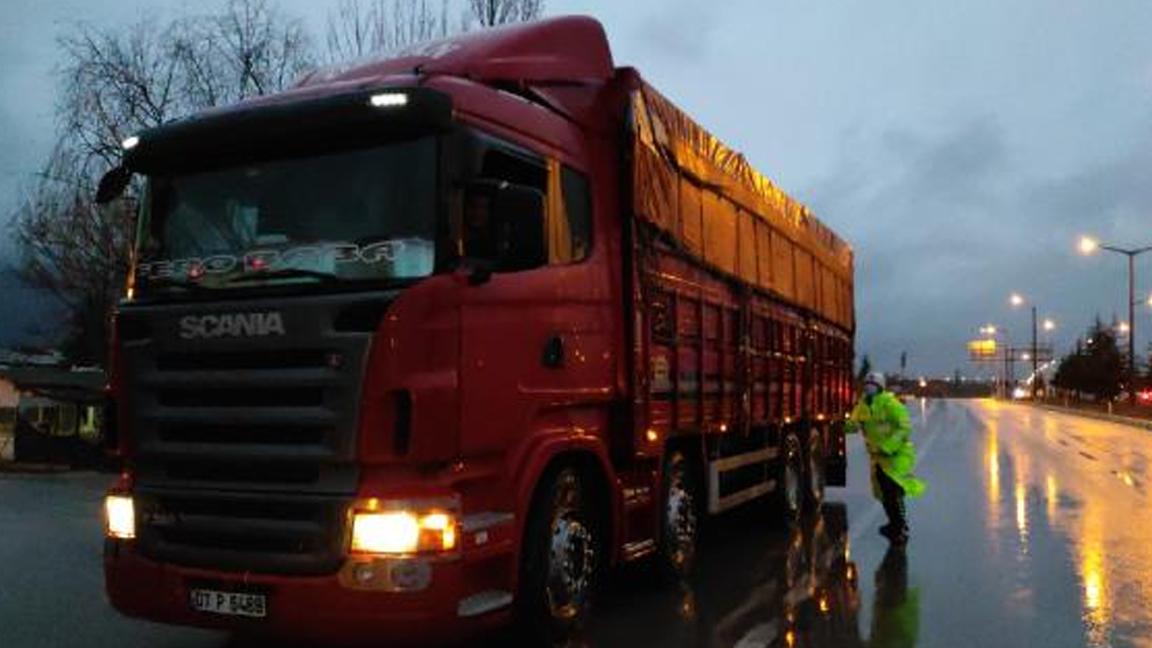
x=815, y=473
x=679, y=517
x=560, y=565
x=788, y=498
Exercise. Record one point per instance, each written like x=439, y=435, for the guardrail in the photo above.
x=1100, y=416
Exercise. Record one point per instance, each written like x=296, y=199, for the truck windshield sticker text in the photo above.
x=269, y=260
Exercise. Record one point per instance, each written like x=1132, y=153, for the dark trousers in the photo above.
x=892, y=497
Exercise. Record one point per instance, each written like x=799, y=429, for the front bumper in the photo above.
x=315, y=608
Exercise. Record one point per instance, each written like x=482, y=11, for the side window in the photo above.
x=578, y=210
x=501, y=164
x=568, y=202
x=477, y=230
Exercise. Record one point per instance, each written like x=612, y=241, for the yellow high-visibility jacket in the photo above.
x=887, y=435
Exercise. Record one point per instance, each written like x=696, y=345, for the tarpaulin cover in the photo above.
x=764, y=256
x=691, y=223
x=783, y=265
x=746, y=252
x=707, y=197
x=805, y=283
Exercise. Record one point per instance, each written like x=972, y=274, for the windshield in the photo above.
x=366, y=214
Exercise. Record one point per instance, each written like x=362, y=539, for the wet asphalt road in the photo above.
x=1034, y=532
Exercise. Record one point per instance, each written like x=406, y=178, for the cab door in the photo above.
x=535, y=343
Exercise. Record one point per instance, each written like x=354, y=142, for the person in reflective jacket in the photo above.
x=887, y=435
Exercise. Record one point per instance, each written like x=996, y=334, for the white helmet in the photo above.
x=875, y=378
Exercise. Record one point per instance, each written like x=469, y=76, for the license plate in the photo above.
x=229, y=603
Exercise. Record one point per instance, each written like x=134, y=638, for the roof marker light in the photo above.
x=388, y=100
x=130, y=143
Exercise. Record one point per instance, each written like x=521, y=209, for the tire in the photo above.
x=679, y=517
x=815, y=475
x=560, y=563
x=788, y=497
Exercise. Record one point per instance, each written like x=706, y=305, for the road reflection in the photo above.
x=896, y=607
x=1097, y=612
x=758, y=585
x=1074, y=479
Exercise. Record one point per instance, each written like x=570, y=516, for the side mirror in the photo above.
x=504, y=224
x=112, y=185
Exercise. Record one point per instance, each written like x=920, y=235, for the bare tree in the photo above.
x=73, y=250
x=490, y=13
x=115, y=83
x=359, y=28
x=112, y=84
x=248, y=49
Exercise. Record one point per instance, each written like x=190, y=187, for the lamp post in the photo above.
x=991, y=330
x=1089, y=245
x=1018, y=300
x=1049, y=325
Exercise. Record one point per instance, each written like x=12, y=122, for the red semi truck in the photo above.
x=425, y=344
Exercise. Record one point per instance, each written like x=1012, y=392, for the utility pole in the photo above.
x=1088, y=245
x=1035, y=359
x=1007, y=372
x=1132, y=327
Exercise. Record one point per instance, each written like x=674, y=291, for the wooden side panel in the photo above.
x=717, y=344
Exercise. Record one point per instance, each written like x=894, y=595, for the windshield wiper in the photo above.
x=176, y=282
x=289, y=273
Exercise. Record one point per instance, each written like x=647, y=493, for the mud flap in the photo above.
x=836, y=465
x=836, y=472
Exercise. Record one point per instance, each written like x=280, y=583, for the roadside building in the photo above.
x=9, y=401
x=51, y=414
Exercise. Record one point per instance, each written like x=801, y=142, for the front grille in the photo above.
x=234, y=532
x=246, y=397
x=270, y=359
x=287, y=435
x=246, y=448
x=248, y=472
x=279, y=419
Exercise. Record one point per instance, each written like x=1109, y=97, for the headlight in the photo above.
x=119, y=517
x=402, y=531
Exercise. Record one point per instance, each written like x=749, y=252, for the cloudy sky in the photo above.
x=961, y=147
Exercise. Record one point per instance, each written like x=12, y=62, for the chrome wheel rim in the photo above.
x=816, y=471
x=792, y=479
x=571, y=563
x=680, y=522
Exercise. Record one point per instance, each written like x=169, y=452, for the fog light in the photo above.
x=385, y=574
x=364, y=573
x=119, y=517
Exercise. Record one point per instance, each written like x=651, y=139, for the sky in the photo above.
x=960, y=147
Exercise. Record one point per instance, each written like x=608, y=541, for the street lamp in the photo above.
x=1089, y=245
x=1018, y=300
x=1049, y=325
x=992, y=331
